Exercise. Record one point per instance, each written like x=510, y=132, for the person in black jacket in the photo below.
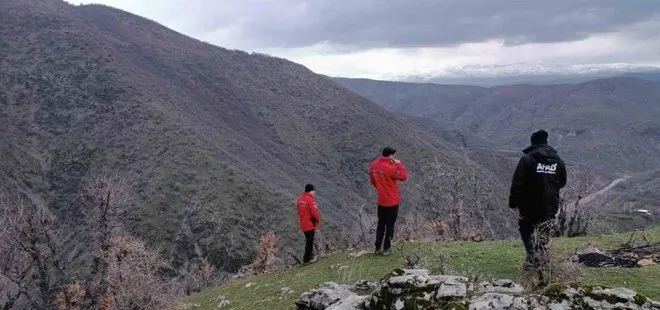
x=539, y=176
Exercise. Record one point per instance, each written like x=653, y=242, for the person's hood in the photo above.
x=543, y=153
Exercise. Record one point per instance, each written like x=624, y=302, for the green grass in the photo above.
x=489, y=259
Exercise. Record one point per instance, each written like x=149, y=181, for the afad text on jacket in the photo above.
x=539, y=176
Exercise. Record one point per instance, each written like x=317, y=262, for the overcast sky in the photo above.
x=399, y=38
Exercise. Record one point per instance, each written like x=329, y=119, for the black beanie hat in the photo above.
x=540, y=137
x=309, y=188
x=388, y=151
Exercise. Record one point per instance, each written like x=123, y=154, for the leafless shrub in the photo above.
x=266, y=259
x=441, y=260
x=413, y=228
x=133, y=276
x=547, y=267
x=200, y=276
x=322, y=245
x=576, y=216
x=364, y=232
x=457, y=198
x=410, y=259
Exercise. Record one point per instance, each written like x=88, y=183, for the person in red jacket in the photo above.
x=309, y=219
x=384, y=173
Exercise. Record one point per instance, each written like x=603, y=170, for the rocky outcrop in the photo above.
x=417, y=289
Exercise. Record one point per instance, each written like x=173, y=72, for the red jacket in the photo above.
x=306, y=211
x=384, y=175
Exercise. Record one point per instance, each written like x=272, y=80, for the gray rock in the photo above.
x=364, y=286
x=399, y=304
x=407, y=281
x=416, y=272
x=605, y=305
x=538, y=302
x=503, y=286
x=622, y=295
x=451, y=289
x=324, y=296
x=350, y=303
x=491, y=301
x=563, y=305
x=438, y=279
x=520, y=303
x=570, y=293
x=416, y=289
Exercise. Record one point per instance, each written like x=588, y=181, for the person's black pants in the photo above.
x=386, y=219
x=536, y=238
x=309, y=246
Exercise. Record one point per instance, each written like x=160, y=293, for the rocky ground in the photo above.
x=417, y=289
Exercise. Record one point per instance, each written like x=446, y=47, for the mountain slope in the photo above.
x=609, y=124
x=217, y=143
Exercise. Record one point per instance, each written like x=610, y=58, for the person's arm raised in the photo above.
x=400, y=171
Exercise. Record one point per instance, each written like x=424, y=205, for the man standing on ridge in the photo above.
x=309, y=219
x=539, y=176
x=384, y=173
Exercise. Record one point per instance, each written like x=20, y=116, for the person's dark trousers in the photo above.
x=386, y=220
x=536, y=238
x=309, y=246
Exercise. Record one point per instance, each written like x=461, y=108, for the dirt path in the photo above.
x=591, y=197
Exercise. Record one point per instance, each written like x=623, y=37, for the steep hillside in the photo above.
x=217, y=142
x=610, y=125
x=624, y=201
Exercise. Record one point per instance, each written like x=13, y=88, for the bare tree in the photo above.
x=455, y=197
x=45, y=265
x=31, y=261
x=106, y=200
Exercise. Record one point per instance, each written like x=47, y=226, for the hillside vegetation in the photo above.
x=219, y=143
x=500, y=259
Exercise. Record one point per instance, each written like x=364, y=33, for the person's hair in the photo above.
x=388, y=151
x=309, y=188
x=539, y=137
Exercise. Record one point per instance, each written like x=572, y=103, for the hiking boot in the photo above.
x=378, y=253
x=311, y=261
x=387, y=253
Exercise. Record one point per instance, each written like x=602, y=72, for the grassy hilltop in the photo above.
x=487, y=259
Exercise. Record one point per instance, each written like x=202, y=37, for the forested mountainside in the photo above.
x=217, y=143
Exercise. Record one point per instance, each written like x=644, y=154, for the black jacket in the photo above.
x=539, y=176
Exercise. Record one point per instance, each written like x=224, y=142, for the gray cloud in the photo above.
x=361, y=24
